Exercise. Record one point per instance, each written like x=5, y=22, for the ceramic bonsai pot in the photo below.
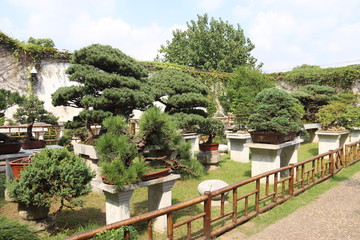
x=34, y=144
x=32, y=212
x=157, y=174
x=208, y=147
x=271, y=137
x=8, y=148
x=18, y=165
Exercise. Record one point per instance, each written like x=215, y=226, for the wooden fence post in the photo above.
x=292, y=180
x=207, y=217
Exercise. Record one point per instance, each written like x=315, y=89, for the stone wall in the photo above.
x=15, y=76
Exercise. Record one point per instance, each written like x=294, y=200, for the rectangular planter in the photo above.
x=272, y=137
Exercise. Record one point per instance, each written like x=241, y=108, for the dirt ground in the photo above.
x=334, y=215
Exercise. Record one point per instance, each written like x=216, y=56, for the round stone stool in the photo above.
x=212, y=185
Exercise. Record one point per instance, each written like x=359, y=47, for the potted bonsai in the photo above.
x=8, y=145
x=32, y=110
x=125, y=158
x=52, y=174
x=276, y=118
x=210, y=128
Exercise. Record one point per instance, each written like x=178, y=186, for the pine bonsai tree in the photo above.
x=109, y=82
x=276, y=112
x=179, y=92
x=32, y=110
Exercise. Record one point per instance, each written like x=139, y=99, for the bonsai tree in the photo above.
x=108, y=83
x=179, y=92
x=352, y=117
x=277, y=111
x=211, y=127
x=332, y=116
x=123, y=155
x=313, y=97
x=52, y=174
x=8, y=99
x=32, y=110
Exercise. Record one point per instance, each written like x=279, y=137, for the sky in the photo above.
x=286, y=34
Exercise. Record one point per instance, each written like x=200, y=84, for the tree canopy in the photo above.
x=241, y=93
x=209, y=44
x=109, y=83
x=179, y=92
x=45, y=42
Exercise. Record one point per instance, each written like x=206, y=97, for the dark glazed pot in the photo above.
x=271, y=137
x=34, y=144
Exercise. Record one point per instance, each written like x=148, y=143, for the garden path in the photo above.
x=333, y=215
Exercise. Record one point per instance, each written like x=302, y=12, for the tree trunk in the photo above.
x=29, y=132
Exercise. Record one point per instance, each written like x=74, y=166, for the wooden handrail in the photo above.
x=293, y=184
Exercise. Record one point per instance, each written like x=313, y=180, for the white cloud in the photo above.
x=241, y=12
x=210, y=5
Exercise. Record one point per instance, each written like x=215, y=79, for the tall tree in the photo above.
x=45, y=42
x=108, y=83
x=213, y=44
x=241, y=92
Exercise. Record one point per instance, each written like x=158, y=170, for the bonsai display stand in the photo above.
x=331, y=140
x=267, y=157
x=193, y=139
x=239, y=152
x=311, y=128
x=118, y=200
x=354, y=134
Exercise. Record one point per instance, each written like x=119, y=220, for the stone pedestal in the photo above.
x=193, y=139
x=267, y=157
x=118, y=200
x=354, y=134
x=89, y=154
x=210, y=159
x=331, y=140
x=311, y=128
x=239, y=152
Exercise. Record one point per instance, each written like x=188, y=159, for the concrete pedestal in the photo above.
x=118, y=200
x=87, y=150
x=354, y=134
x=193, y=139
x=331, y=140
x=311, y=128
x=239, y=152
x=267, y=157
x=210, y=159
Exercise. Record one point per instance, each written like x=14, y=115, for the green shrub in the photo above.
x=118, y=234
x=276, y=112
x=352, y=117
x=53, y=173
x=11, y=230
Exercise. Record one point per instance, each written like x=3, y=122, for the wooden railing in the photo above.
x=246, y=199
x=47, y=132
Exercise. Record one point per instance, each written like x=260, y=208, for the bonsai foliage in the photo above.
x=187, y=122
x=241, y=92
x=211, y=127
x=8, y=99
x=32, y=110
x=179, y=92
x=53, y=173
x=123, y=155
x=209, y=44
x=332, y=116
x=109, y=82
x=352, y=117
x=313, y=97
x=276, y=112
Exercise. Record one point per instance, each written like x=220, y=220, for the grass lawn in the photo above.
x=92, y=214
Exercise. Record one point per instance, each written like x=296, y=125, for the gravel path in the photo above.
x=334, y=215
